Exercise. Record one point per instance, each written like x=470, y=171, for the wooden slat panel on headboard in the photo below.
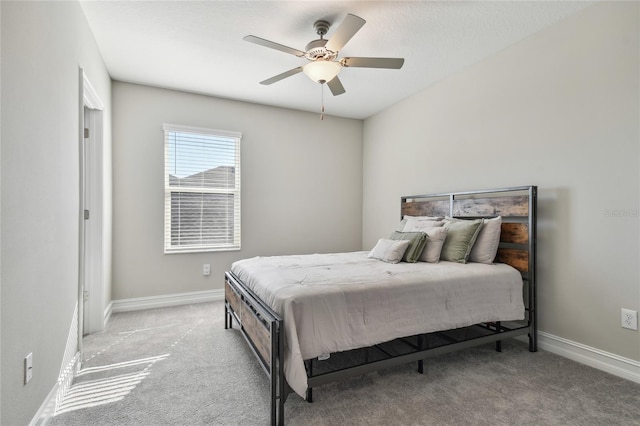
x=516, y=233
x=496, y=206
x=426, y=208
x=519, y=259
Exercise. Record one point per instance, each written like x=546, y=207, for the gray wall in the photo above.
x=43, y=46
x=559, y=110
x=301, y=186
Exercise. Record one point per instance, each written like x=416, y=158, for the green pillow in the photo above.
x=417, y=241
x=461, y=235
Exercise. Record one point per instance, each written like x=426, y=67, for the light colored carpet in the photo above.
x=178, y=366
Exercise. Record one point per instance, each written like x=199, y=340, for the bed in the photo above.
x=314, y=319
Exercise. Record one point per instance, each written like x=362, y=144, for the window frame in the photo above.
x=169, y=248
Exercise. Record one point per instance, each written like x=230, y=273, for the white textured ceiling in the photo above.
x=197, y=46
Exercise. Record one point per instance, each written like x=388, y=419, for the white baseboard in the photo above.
x=150, y=302
x=611, y=363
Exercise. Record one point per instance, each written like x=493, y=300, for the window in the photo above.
x=202, y=189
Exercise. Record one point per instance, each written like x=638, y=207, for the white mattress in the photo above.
x=341, y=301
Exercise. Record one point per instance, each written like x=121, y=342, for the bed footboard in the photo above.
x=262, y=329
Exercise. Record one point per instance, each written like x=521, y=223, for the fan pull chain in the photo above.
x=322, y=102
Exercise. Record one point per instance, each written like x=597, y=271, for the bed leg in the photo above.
x=533, y=328
x=498, y=342
x=421, y=346
x=309, y=394
x=227, y=318
x=533, y=344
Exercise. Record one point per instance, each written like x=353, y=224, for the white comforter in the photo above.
x=336, y=302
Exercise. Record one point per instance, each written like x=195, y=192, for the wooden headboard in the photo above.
x=516, y=205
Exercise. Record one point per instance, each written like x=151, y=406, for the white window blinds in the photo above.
x=202, y=189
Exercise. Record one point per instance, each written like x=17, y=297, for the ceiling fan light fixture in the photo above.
x=321, y=71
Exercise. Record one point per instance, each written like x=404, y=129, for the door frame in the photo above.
x=91, y=288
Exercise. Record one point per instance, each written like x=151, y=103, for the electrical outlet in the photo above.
x=206, y=269
x=28, y=368
x=629, y=319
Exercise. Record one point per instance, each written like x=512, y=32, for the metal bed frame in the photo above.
x=263, y=328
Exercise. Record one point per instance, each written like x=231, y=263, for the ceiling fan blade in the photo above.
x=391, y=63
x=282, y=76
x=345, y=31
x=336, y=87
x=272, y=45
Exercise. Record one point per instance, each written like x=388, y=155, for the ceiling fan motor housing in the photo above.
x=315, y=50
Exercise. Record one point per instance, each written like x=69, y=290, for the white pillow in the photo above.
x=435, y=241
x=432, y=220
x=436, y=235
x=420, y=223
x=486, y=246
x=390, y=251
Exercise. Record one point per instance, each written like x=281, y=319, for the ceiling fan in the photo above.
x=324, y=66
